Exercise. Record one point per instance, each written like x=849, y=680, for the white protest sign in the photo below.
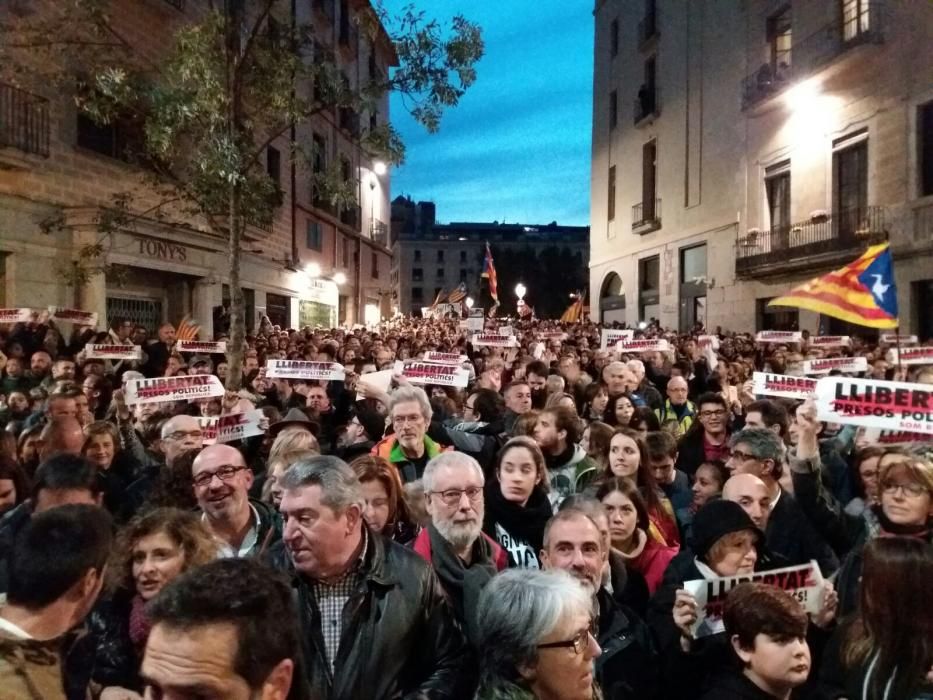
x=804, y=583
x=892, y=339
x=381, y=381
x=418, y=372
x=552, y=335
x=708, y=340
x=767, y=384
x=505, y=330
x=494, y=340
x=830, y=341
x=158, y=389
x=608, y=337
x=464, y=325
x=232, y=426
x=113, y=352
x=15, y=315
x=911, y=356
x=76, y=316
x=643, y=345
x=875, y=403
x=891, y=438
x=445, y=358
x=210, y=347
x=304, y=369
x=826, y=365
x=778, y=337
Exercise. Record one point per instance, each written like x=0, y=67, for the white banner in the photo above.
x=552, y=335
x=231, y=426
x=912, y=356
x=209, y=347
x=767, y=384
x=804, y=583
x=76, y=316
x=158, y=389
x=826, y=365
x=610, y=336
x=891, y=438
x=445, y=358
x=875, y=403
x=15, y=315
x=711, y=340
x=830, y=341
x=643, y=345
x=891, y=339
x=304, y=369
x=778, y=337
x=113, y=352
x=494, y=340
x=505, y=330
x=418, y=372
x=476, y=324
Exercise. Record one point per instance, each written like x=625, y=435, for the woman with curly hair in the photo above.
x=152, y=550
x=385, y=509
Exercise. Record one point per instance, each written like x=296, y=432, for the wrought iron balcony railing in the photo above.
x=646, y=216
x=24, y=121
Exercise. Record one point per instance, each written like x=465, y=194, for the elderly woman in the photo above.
x=152, y=550
x=535, y=638
x=385, y=509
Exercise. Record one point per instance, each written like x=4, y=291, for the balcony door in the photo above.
x=850, y=188
x=777, y=188
x=649, y=179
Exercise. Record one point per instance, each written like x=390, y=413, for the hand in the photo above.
x=685, y=612
x=229, y=402
x=827, y=613
x=117, y=693
x=2, y=361
x=119, y=403
x=806, y=418
x=747, y=394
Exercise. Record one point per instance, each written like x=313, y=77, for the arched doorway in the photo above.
x=612, y=299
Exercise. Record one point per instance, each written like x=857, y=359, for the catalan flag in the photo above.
x=437, y=299
x=862, y=292
x=574, y=312
x=489, y=272
x=458, y=295
x=187, y=329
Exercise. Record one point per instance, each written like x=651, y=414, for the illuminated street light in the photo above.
x=469, y=302
x=340, y=278
x=379, y=168
x=313, y=270
x=642, y=324
x=520, y=290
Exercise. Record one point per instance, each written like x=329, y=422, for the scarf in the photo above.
x=886, y=528
x=462, y=583
x=524, y=523
x=556, y=462
x=139, y=622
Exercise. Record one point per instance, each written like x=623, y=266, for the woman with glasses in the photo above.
x=865, y=466
x=535, y=639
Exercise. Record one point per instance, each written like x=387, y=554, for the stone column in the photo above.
x=206, y=294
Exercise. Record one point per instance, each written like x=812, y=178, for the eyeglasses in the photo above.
x=226, y=473
x=744, y=456
x=718, y=413
x=912, y=488
x=579, y=642
x=451, y=497
x=181, y=435
x=402, y=420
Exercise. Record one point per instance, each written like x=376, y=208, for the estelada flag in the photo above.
x=458, y=295
x=574, y=312
x=187, y=329
x=863, y=292
x=437, y=299
x=489, y=272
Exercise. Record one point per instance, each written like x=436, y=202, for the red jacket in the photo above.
x=422, y=547
x=652, y=562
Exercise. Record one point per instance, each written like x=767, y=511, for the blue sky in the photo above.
x=517, y=148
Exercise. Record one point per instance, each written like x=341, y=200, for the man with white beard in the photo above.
x=462, y=556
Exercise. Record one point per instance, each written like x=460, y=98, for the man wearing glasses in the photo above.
x=243, y=527
x=760, y=452
x=463, y=557
x=708, y=442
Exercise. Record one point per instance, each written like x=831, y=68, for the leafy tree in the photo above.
x=236, y=77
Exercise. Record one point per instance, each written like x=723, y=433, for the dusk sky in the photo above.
x=517, y=148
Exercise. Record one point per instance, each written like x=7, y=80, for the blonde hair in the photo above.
x=292, y=440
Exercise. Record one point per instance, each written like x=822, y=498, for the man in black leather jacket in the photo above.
x=375, y=623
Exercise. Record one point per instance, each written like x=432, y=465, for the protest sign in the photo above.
x=708, y=340
x=767, y=384
x=304, y=369
x=778, y=337
x=610, y=336
x=804, y=583
x=505, y=330
x=875, y=403
x=231, y=426
x=494, y=340
x=830, y=341
x=445, y=358
x=892, y=339
x=911, y=356
x=15, y=315
x=210, y=347
x=76, y=316
x=158, y=389
x=893, y=438
x=826, y=365
x=643, y=345
x=113, y=352
x=380, y=381
x=418, y=372
x=552, y=335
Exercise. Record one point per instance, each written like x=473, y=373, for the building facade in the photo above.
x=312, y=265
x=740, y=149
x=429, y=258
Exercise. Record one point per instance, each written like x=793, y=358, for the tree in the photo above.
x=234, y=79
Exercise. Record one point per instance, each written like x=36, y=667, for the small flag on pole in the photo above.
x=489, y=272
x=437, y=299
x=574, y=312
x=863, y=292
x=187, y=329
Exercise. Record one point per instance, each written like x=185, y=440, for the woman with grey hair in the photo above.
x=535, y=638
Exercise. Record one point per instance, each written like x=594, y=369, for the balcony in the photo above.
x=812, y=53
x=647, y=104
x=24, y=121
x=821, y=241
x=646, y=217
x=349, y=121
x=351, y=217
x=380, y=233
x=647, y=31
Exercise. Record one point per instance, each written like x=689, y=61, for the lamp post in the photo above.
x=520, y=290
x=469, y=302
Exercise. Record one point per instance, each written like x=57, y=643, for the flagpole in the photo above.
x=897, y=344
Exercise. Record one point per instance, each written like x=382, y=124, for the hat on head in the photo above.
x=717, y=519
x=201, y=360
x=373, y=423
x=297, y=418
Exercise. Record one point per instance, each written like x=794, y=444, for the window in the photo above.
x=120, y=139
x=693, y=264
x=649, y=179
x=779, y=41
x=649, y=287
x=345, y=252
x=417, y=274
x=274, y=165
x=612, y=193
x=925, y=143
x=440, y=256
x=650, y=24
x=319, y=154
x=856, y=19
x=314, y=235
x=440, y=273
x=775, y=318
x=613, y=109
x=417, y=256
x=417, y=294
x=463, y=275
x=850, y=187
x=463, y=256
x=614, y=38
x=777, y=189
x=375, y=265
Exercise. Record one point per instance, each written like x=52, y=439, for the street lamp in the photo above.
x=469, y=302
x=340, y=278
x=520, y=290
x=313, y=270
x=379, y=168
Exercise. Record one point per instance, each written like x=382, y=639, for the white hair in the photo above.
x=404, y=394
x=452, y=460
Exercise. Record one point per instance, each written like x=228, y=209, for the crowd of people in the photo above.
x=553, y=530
